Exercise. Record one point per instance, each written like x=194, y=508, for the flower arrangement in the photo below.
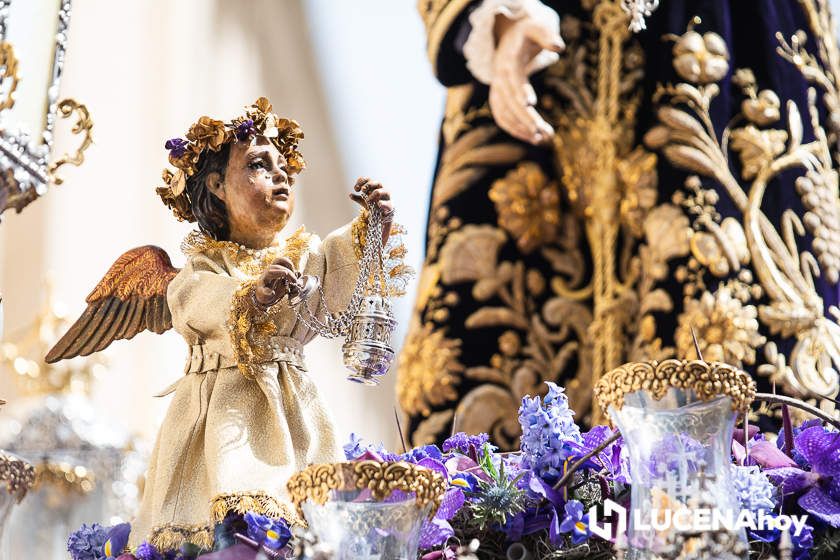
x=540, y=497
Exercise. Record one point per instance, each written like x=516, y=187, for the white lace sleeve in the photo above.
x=480, y=48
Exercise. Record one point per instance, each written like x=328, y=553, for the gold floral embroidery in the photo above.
x=784, y=272
x=727, y=330
x=428, y=369
x=528, y=206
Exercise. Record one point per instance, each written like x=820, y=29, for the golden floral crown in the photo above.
x=212, y=134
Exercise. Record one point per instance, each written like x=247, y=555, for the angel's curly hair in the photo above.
x=208, y=209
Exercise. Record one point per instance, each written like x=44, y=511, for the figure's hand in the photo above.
x=274, y=282
x=512, y=98
x=378, y=196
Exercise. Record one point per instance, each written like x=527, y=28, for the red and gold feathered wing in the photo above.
x=130, y=298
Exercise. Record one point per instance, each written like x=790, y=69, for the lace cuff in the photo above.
x=480, y=48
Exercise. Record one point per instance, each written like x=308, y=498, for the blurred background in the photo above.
x=354, y=74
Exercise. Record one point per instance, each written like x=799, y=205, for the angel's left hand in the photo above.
x=378, y=196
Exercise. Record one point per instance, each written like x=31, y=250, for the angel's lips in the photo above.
x=280, y=194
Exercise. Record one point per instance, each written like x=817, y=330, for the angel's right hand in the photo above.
x=275, y=281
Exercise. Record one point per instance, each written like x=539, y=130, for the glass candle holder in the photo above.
x=367, y=509
x=677, y=419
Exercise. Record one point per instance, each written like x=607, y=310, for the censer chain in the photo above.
x=339, y=325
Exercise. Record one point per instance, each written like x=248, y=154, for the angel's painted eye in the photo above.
x=257, y=164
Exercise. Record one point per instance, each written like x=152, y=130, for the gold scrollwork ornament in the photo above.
x=83, y=126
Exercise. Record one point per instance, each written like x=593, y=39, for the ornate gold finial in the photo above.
x=23, y=353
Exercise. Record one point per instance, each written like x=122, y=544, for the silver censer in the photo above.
x=368, y=322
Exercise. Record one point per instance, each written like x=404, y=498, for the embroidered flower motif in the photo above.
x=428, y=369
x=727, y=330
x=701, y=59
x=528, y=206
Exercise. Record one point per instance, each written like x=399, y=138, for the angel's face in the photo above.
x=257, y=192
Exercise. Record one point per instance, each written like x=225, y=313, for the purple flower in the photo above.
x=438, y=530
x=117, y=540
x=353, y=448
x=821, y=485
x=355, y=451
x=147, y=551
x=797, y=455
x=465, y=481
x=575, y=522
x=177, y=147
x=802, y=543
x=549, y=433
x=461, y=442
x=273, y=533
x=87, y=543
x=245, y=130
x=419, y=453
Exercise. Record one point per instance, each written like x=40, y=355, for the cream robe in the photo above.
x=232, y=436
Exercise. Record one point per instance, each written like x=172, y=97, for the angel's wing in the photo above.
x=129, y=299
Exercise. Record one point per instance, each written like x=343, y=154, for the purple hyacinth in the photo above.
x=87, y=543
x=245, y=130
x=820, y=487
x=549, y=433
x=177, y=147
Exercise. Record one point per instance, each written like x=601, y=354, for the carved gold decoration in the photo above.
x=16, y=475
x=707, y=379
x=9, y=64
x=83, y=125
x=316, y=483
x=785, y=273
x=528, y=206
x=726, y=329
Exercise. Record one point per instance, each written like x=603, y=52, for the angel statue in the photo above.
x=246, y=414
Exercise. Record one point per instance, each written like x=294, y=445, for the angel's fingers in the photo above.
x=358, y=199
x=360, y=182
x=513, y=91
x=378, y=195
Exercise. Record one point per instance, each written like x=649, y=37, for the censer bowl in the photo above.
x=367, y=351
